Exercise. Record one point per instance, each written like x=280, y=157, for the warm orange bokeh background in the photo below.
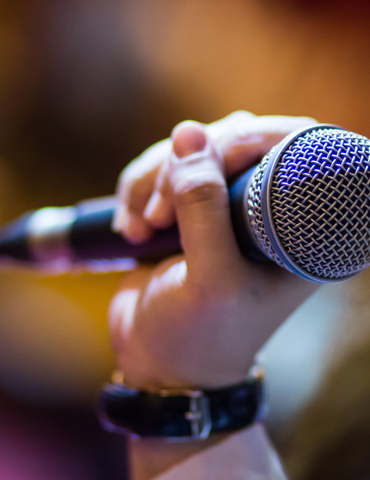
x=86, y=85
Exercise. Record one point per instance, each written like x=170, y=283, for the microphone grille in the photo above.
x=318, y=198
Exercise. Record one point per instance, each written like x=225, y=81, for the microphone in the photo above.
x=306, y=207
x=60, y=239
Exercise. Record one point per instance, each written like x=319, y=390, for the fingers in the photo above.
x=200, y=197
x=135, y=187
x=159, y=211
x=243, y=138
x=145, y=201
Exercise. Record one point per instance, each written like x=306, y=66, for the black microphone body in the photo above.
x=63, y=238
x=306, y=206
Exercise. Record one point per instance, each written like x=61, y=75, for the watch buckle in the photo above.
x=199, y=414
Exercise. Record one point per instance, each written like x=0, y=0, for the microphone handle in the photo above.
x=63, y=237
x=92, y=238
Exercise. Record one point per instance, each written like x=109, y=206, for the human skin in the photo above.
x=198, y=319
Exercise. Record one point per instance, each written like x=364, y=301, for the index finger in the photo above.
x=243, y=138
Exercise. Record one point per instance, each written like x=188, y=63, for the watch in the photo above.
x=182, y=414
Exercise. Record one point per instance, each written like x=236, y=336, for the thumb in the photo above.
x=201, y=201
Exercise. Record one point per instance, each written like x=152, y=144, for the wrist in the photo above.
x=245, y=454
x=150, y=457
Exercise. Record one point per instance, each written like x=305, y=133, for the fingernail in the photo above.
x=153, y=204
x=136, y=229
x=159, y=211
x=188, y=139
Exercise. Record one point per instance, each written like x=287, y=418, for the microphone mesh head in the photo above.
x=319, y=204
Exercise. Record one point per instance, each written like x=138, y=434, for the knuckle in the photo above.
x=135, y=182
x=236, y=120
x=241, y=116
x=197, y=191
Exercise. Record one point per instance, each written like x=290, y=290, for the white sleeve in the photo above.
x=245, y=455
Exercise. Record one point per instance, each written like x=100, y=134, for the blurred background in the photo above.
x=86, y=86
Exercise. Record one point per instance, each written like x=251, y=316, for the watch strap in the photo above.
x=181, y=414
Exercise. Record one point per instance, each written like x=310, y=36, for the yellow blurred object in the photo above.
x=54, y=345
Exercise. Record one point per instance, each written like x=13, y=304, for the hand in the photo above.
x=198, y=319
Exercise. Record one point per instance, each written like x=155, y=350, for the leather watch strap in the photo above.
x=185, y=414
